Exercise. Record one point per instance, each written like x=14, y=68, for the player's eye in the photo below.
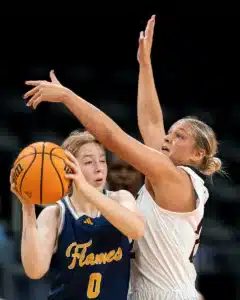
x=178, y=135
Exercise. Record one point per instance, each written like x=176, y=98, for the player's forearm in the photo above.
x=32, y=250
x=148, y=108
x=126, y=221
x=93, y=119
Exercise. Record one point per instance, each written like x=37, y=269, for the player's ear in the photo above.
x=54, y=78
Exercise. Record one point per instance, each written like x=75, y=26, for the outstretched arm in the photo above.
x=150, y=117
x=146, y=160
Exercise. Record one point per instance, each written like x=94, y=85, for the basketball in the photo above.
x=39, y=173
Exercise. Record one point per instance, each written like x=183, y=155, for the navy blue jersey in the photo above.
x=92, y=260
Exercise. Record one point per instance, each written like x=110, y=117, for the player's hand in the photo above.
x=76, y=175
x=45, y=91
x=145, y=43
x=24, y=202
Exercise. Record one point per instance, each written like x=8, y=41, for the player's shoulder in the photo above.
x=199, y=182
x=123, y=197
x=50, y=211
x=120, y=194
x=193, y=173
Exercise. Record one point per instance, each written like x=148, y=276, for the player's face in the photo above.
x=179, y=144
x=92, y=161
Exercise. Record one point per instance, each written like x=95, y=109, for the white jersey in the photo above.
x=162, y=268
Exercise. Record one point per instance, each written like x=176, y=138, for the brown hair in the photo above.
x=76, y=140
x=205, y=140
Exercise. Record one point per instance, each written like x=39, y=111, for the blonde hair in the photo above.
x=76, y=140
x=205, y=140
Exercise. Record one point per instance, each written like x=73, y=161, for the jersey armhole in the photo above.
x=60, y=224
x=198, y=184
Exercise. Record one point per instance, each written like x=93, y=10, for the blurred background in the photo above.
x=196, y=67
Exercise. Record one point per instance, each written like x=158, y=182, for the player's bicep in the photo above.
x=150, y=162
x=47, y=224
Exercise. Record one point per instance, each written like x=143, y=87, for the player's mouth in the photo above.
x=165, y=149
x=99, y=180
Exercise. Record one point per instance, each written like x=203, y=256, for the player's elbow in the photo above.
x=138, y=232
x=34, y=276
x=35, y=273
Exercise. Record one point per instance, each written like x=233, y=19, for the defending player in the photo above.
x=85, y=238
x=173, y=224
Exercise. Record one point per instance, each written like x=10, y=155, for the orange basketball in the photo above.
x=39, y=173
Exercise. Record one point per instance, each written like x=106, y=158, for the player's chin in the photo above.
x=99, y=184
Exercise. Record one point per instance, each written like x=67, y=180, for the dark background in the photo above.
x=196, y=67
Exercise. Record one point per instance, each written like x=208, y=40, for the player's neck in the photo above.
x=82, y=206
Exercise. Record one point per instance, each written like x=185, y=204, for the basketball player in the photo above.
x=175, y=164
x=86, y=237
x=175, y=224
x=121, y=175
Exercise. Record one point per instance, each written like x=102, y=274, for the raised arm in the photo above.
x=150, y=117
x=146, y=160
x=156, y=166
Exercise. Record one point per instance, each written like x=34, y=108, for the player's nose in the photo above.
x=168, y=138
x=99, y=167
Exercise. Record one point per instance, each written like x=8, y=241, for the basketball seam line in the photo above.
x=36, y=154
x=57, y=171
x=41, y=177
x=27, y=169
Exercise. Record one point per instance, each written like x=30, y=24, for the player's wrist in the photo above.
x=83, y=187
x=28, y=208
x=68, y=96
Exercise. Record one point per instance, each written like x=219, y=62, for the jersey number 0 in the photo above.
x=94, y=285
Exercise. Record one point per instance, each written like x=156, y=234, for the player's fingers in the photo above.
x=37, y=101
x=11, y=176
x=71, y=165
x=141, y=36
x=147, y=28
x=71, y=157
x=34, y=98
x=54, y=78
x=14, y=191
x=34, y=82
x=31, y=92
x=151, y=28
x=70, y=176
x=153, y=17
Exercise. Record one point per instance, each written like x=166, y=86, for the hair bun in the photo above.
x=214, y=165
